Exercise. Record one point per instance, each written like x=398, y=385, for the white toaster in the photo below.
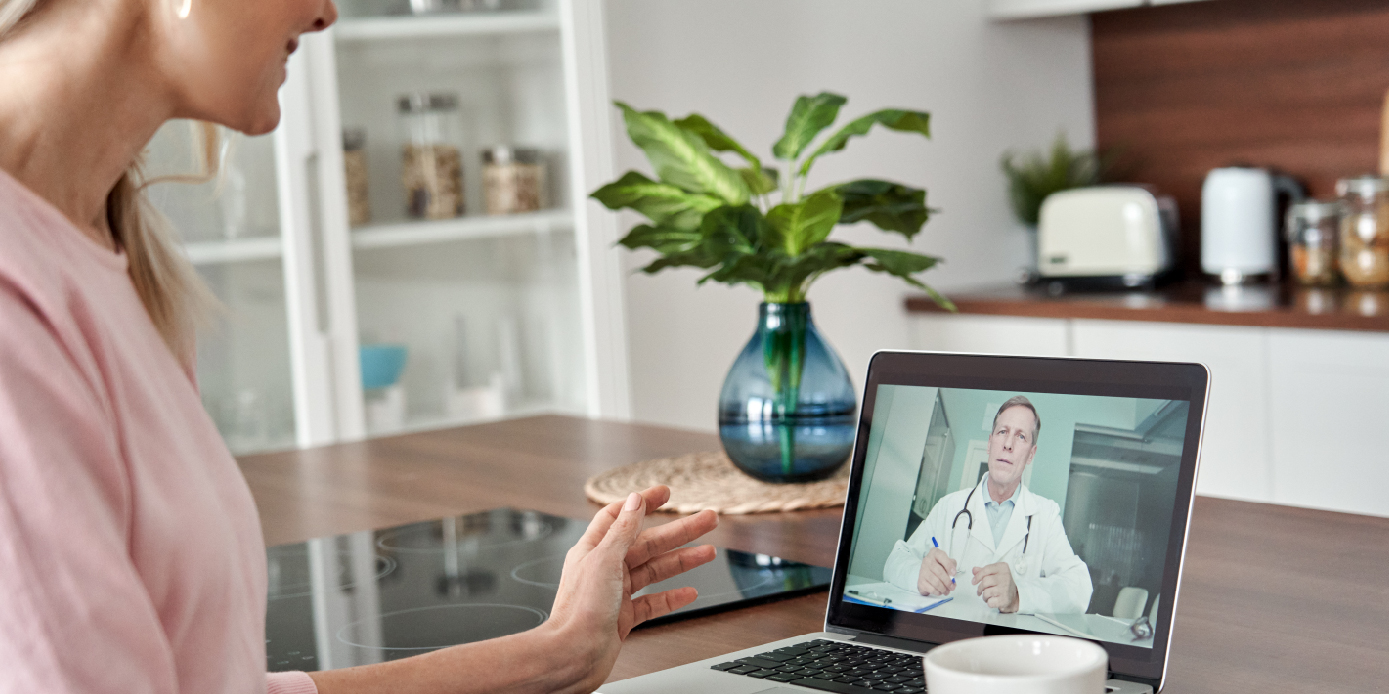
x=1118, y=232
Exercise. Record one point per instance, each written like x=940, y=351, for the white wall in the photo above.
x=989, y=87
x=886, y=499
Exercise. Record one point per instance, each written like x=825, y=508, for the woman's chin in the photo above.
x=259, y=123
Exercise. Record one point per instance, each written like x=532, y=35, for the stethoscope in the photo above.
x=969, y=526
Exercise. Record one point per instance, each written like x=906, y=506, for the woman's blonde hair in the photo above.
x=168, y=286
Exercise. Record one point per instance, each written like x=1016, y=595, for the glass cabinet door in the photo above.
x=359, y=297
x=231, y=229
x=465, y=262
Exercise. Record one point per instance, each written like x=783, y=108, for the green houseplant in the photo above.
x=726, y=219
x=1035, y=175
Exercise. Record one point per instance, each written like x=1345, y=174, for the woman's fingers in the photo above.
x=663, y=538
x=655, y=497
x=670, y=564
x=624, y=530
x=598, y=527
x=661, y=604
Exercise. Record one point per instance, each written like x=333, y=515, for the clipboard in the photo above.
x=870, y=598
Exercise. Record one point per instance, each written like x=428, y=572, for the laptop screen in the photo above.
x=1050, y=506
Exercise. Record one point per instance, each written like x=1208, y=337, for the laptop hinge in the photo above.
x=893, y=642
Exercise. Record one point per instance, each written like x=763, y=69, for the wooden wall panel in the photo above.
x=1292, y=84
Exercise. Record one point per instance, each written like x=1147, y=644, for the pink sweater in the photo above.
x=131, y=557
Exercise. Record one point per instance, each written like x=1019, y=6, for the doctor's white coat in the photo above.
x=1049, y=576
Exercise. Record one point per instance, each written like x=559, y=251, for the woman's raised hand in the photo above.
x=614, y=559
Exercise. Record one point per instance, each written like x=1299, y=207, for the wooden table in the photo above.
x=1274, y=599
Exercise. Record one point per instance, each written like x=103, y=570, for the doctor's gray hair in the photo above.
x=1022, y=401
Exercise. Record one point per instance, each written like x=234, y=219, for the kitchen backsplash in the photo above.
x=1297, y=85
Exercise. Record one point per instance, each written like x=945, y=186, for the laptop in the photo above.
x=1067, y=482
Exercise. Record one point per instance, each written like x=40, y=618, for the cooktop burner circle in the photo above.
x=542, y=573
x=429, y=538
x=297, y=584
x=440, y=626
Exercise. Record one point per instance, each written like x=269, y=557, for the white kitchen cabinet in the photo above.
x=231, y=227
x=1329, y=414
x=529, y=304
x=1039, y=337
x=1293, y=416
x=1023, y=9
x=1235, y=452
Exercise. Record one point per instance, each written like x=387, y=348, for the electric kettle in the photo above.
x=1239, y=222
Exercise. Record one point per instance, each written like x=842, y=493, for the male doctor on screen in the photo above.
x=998, y=540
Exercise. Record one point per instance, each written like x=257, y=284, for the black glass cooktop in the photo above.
x=381, y=595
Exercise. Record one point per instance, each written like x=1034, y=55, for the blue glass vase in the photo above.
x=786, y=412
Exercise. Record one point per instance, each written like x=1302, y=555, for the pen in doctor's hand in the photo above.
x=937, y=546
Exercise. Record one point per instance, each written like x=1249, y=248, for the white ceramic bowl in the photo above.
x=1017, y=665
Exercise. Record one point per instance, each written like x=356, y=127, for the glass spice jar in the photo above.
x=432, y=168
x=513, y=180
x=1364, y=230
x=1312, y=231
x=354, y=163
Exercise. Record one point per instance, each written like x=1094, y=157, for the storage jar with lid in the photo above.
x=432, y=167
x=513, y=180
x=1364, y=230
x=1312, y=229
x=354, y=162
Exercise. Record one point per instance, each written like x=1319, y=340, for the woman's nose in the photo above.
x=327, y=17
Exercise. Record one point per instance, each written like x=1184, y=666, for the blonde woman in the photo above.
x=131, y=557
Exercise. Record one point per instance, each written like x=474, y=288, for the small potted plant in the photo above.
x=1034, y=176
x=786, y=412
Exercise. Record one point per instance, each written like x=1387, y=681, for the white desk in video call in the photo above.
x=967, y=605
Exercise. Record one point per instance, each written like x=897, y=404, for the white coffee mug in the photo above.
x=1017, y=665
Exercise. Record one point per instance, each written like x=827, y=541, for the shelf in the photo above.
x=444, y=25
x=476, y=227
x=233, y=250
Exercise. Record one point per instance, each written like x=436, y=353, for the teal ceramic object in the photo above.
x=381, y=365
x=787, y=410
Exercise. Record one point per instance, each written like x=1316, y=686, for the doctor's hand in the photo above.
x=937, y=572
x=996, y=586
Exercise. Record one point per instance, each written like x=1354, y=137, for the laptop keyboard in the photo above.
x=835, y=666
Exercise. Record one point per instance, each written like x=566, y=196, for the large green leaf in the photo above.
x=799, y=226
x=891, y=118
x=737, y=236
x=681, y=158
x=808, y=117
x=716, y=138
x=731, y=230
x=760, y=179
x=903, y=265
x=794, y=276
x=662, y=239
x=696, y=258
x=743, y=269
x=890, y=206
x=662, y=203
x=759, y=182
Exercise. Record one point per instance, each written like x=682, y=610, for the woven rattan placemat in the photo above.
x=709, y=480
